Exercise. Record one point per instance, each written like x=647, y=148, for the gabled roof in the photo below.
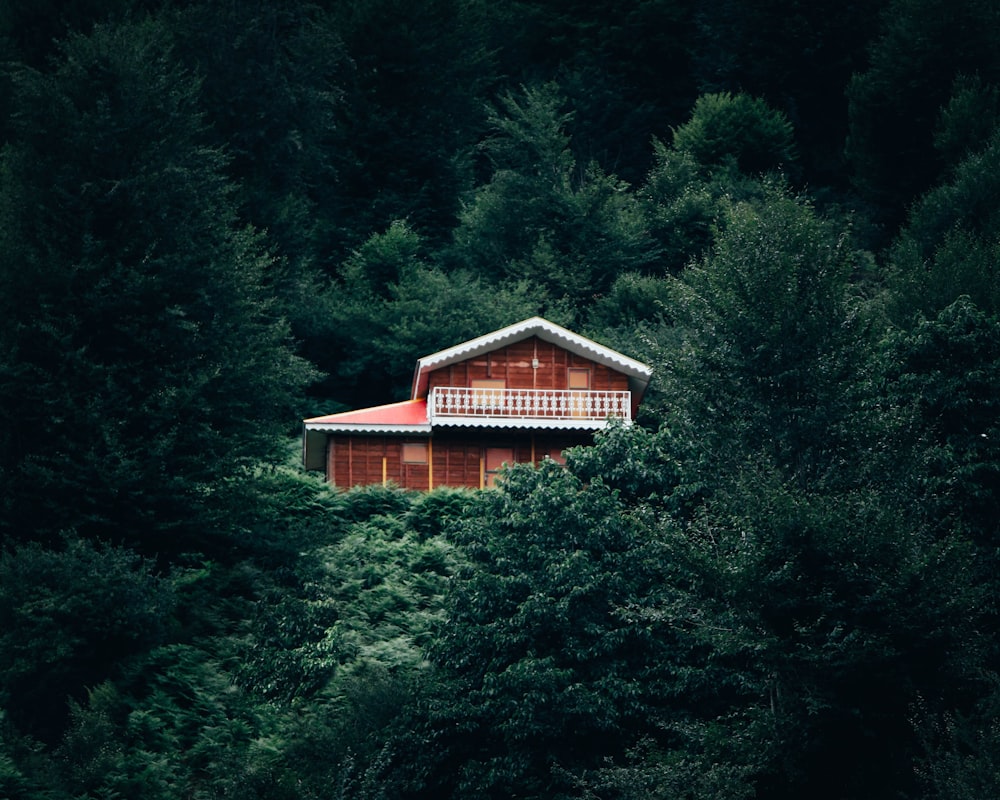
x=638, y=373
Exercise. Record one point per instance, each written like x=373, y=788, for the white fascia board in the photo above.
x=374, y=428
x=524, y=424
x=638, y=373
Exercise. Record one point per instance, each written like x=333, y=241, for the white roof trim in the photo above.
x=361, y=427
x=637, y=372
x=523, y=423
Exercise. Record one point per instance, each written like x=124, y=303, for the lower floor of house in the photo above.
x=447, y=458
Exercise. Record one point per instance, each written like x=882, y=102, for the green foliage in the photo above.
x=835, y=614
x=377, y=329
x=413, y=111
x=362, y=605
x=780, y=583
x=631, y=300
x=382, y=259
x=365, y=502
x=140, y=348
x=769, y=337
x=921, y=48
x=293, y=508
x=547, y=680
x=625, y=70
x=796, y=55
x=634, y=461
x=948, y=247
x=680, y=205
x=433, y=513
x=539, y=218
x=68, y=619
x=960, y=761
x=968, y=120
x=389, y=585
x=283, y=66
x=945, y=374
x=178, y=701
x=737, y=132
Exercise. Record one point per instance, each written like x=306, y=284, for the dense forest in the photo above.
x=220, y=217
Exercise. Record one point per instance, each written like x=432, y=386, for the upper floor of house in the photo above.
x=534, y=373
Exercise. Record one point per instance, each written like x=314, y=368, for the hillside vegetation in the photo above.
x=218, y=218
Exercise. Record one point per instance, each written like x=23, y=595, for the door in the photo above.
x=488, y=394
x=578, y=382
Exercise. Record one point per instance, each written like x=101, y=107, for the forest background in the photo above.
x=217, y=218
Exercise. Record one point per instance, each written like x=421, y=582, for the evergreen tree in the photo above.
x=737, y=132
x=546, y=679
x=392, y=305
x=948, y=247
x=412, y=114
x=272, y=86
x=144, y=368
x=894, y=105
x=795, y=54
x=541, y=218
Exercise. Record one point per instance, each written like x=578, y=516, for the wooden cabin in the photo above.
x=518, y=395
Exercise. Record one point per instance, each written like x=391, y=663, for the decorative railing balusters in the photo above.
x=554, y=404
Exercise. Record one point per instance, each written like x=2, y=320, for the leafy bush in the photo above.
x=432, y=513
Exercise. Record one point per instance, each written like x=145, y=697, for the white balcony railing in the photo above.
x=535, y=404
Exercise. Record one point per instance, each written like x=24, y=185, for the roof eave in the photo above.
x=638, y=373
x=372, y=428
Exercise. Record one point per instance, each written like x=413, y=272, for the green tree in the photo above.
x=795, y=54
x=738, y=132
x=968, y=120
x=680, y=206
x=272, y=78
x=895, y=103
x=948, y=247
x=540, y=218
x=144, y=366
x=69, y=619
x=393, y=305
x=412, y=114
x=834, y=614
x=767, y=342
x=625, y=70
x=545, y=678
x=944, y=376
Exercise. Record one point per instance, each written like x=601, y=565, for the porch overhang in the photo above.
x=394, y=419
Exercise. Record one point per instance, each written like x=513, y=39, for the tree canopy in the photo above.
x=779, y=582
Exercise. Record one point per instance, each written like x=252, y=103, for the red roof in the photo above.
x=409, y=416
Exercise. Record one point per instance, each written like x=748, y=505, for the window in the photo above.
x=494, y=459
x=578, y=378
x=414, y=452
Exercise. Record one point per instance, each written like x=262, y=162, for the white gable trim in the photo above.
x=637, y=372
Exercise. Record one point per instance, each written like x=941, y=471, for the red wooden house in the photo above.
x=517, y=395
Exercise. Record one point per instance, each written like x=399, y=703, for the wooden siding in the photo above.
x=457, y=458
x=513, y=364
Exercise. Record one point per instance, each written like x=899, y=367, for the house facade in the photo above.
x=518, y=395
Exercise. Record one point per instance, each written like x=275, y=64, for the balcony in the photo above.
x=530, y=407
